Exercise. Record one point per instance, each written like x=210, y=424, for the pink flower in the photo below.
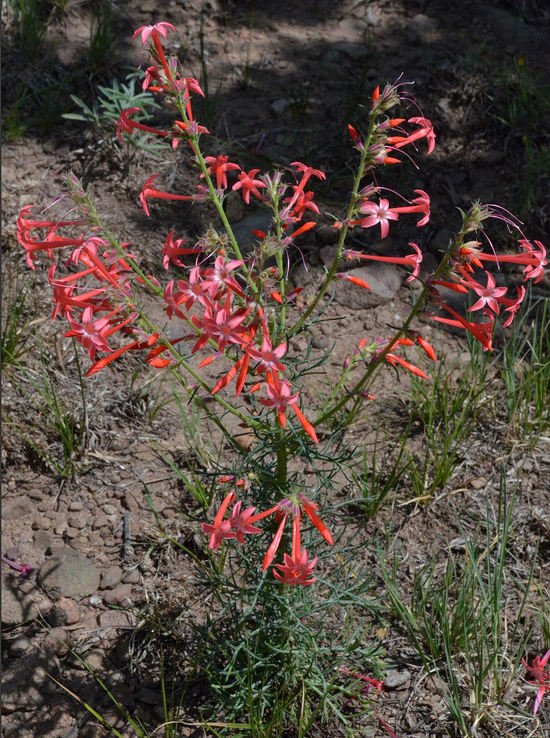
x=248, y=185
x=146, y=31
x=240, y=521
x=381, y=213
x=541, y=677
x=413, y=260
x=513, y=305
x=90, y=333
x=268, y=357
x=487, y=295
x=421, y=205
x=280, y=397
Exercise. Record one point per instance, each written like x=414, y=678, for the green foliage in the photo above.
x=16, y=330
x=111, y=101
x=271, y=655
x=457, y=620
x=446, y=411
x=101, y=36
x=65, y=428
x=525, y=369
x=523, y=106
x=31, y=19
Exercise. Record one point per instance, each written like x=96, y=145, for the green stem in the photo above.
x=343, y=233
x=282, y=461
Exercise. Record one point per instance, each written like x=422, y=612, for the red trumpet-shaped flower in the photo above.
x=218, y=166
x=221, y=529
x=296, y=569
x=150, y=191
x=126, y=124
x=248, y=185
x=541, y=678
x=413, y=260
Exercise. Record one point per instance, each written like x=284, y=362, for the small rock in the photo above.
x=71, y=532
x=92, y=659
x=68, y=574
x=130, y=502
x=115, y=619
x=71, y=610
x=16, y=509
x=120, y=595
x=57, y=641
x=109, y=509
x=77, y=521
x=19, y=645
x=41, y=523
x=75, y=506
x=95, y=601
x=395, y=679
x=111, y=577
x=17, y=607
x=100, y=521
x=279, y=106
x=131, y=577
x=42, y=540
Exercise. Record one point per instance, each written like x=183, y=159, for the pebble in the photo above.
x=115, y=619
x=100, y=521
x=111, y=577
x=395, y=679
x=70, y=608
x=131, y=577
x=57, y=641
x=109, y=509
x=77, y=522
x=41, y=523
x=120, y=595
x=75, y=506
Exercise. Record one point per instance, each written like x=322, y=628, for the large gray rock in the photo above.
x=383, y=279
x=68, y=574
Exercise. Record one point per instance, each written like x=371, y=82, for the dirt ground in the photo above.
x=284, y=79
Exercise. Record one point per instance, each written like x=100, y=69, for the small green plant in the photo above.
x=31, y=19
x=524, y=108
x=525, y=369
x=111, y=101
x=64, y=428
x=458, y=622
x=446, y=410
x=101, y=36
x=16, y=330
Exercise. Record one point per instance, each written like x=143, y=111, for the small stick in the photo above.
x=126, y=546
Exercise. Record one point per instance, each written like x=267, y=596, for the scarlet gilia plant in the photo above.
x=239, y=311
